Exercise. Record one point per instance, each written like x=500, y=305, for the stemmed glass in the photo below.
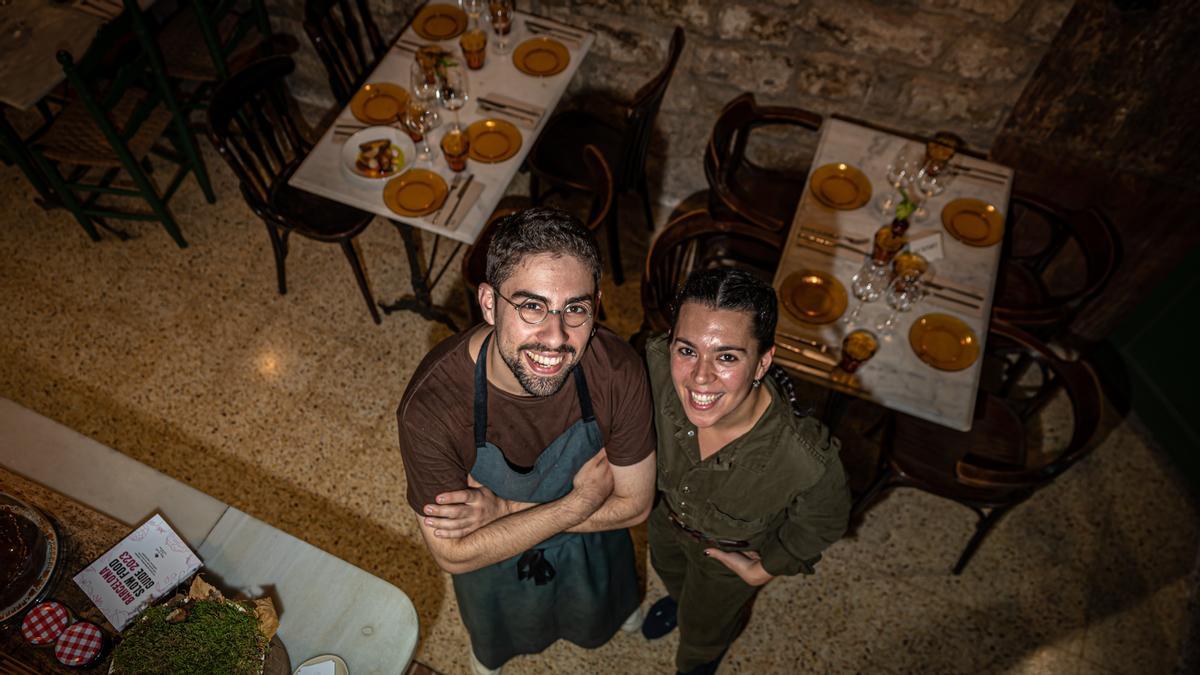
x=931, y=183
x=424, y=86
x=473, y=8
x=902, y=294
x=867, y=284
x=501, y=14
x=454, y=90
x=900, y=172
x=417, y=118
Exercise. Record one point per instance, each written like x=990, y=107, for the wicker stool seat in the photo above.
x=74, y=137
x=185, y=54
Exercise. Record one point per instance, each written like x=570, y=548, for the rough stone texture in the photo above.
x=916, y=65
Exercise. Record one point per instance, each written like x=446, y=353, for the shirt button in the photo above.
x=686, y=490
x=691, y=432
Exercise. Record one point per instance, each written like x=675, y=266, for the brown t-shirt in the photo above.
x=436, y=416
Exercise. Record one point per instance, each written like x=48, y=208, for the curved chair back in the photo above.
x=639, y=120
x=337, y=29
x=251, y=125
x=1029, y=292
x=726, y=155
x=474, y=260
x=695, y=241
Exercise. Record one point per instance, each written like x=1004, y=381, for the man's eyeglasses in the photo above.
x=535, y=312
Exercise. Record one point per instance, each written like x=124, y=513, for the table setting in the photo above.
x=887, y=277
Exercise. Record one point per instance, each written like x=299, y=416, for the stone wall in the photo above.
x=918, y=65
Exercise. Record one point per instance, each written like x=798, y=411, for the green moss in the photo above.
x=216, y=637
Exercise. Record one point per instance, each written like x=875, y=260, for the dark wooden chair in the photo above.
x=1055, y=262
x=1002, y=461
x=119, y=108
x=739, y=188
x=474, y=259
x=695, y=241
x=345, y=37
x=555, y=156
x=252, y=125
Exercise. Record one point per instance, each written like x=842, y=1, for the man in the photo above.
x=529, y=448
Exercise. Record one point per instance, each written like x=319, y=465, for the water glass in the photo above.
x=455, y=146
x=474, y=48
x=900, y=172
x=867, y=284
x=857, y=348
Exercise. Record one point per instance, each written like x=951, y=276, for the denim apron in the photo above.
x=579, y=587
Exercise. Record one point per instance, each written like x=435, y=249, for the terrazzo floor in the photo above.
x=283, y=406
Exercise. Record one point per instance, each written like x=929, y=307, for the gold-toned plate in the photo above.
x=944, y=342
x=493, y=141
x=974, y=222
x=813, y=297
x=415, y=192
x=440, y=22
x=379, y=103
x=840, y=186
x=541, y=57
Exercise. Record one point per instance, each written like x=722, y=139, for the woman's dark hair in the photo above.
x=734, y=290
x=539, y=230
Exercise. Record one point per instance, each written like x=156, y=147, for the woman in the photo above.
x=747, y=490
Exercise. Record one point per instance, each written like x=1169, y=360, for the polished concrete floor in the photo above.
x=283, y=406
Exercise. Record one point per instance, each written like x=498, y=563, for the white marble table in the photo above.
x=321, y=172
x=895, y=378
x=326, y=605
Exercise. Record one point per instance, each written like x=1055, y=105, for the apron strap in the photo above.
x=585, y=399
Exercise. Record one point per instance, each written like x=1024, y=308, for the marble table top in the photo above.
x=31, y=33
x=322, y=173
x=895, y=378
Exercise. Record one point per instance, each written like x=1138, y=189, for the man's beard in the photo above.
x=533, y=384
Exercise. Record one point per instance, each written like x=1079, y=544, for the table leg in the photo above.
x=835, y=407
x=421, y=300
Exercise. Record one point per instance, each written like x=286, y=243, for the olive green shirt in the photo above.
x=780, y=486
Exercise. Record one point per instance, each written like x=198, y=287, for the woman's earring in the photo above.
x=755, y=383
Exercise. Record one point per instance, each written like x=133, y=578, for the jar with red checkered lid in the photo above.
x=45, y=622
x=80, y=645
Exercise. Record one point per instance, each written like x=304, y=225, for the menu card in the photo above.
x=142, y=568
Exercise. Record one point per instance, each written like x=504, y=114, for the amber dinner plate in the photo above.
x=379, y=103
x=440, y=22
x=974, y=222
x=840, y=186
x=493, y=141
x=944, y=342
x=813, y=297
x=541, y=57
x=415, y=192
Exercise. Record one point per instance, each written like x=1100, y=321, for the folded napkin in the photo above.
x=524, y=114
x=443, y=218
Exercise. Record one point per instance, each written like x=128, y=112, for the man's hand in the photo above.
x=461, y=512
x=745, y=565
x=594, y=481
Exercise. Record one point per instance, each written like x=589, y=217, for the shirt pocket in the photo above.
x=736, y=522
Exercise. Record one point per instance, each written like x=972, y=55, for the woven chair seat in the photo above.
x=75, y=138
x=185, y=53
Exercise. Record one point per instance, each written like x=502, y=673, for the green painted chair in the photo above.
x=121, y=107
x=205, y=41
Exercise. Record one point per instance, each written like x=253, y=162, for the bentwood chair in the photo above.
x=696, y=241
x=740, y=188
x=555, y=156
x=345, y=37
x=1055, y=262
x=120, y=105
x=1005, y=458
x=252, y=125
x=474, y=259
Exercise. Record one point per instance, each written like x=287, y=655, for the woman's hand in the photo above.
x=748, y=566
x=461, y=512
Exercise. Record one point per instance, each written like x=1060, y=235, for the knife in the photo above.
x=948, y=298
x=815, y=344
x=830, y=243
x=552, y=25
x=510, y=106
x=537, y=29
x=492, y=108
x=950, y=289
x=818, y=357
x=462, y=190
x=458, y=177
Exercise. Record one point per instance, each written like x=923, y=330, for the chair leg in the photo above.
x=279, y=248
x=644, y=193
x=982, y=528
x=150, y=194
x=348, y=249
x=66, y=196
x=535, y=184
x=196, y=160
x=614, y=246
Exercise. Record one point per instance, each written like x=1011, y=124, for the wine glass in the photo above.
x=424, y=85
x=902, y=294
x=417, y=114
x=867, y=284
x=473, y=8
x=454, y=89
x=931, y=181
x=501, y=14
x=900, y=171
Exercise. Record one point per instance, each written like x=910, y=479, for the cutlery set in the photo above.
x=512, y=110
x=458, y=190
x=543, y=26
x=980, y=174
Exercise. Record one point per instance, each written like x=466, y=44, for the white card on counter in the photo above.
x=928, y=244
x=146, y=565
x=322, y=668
